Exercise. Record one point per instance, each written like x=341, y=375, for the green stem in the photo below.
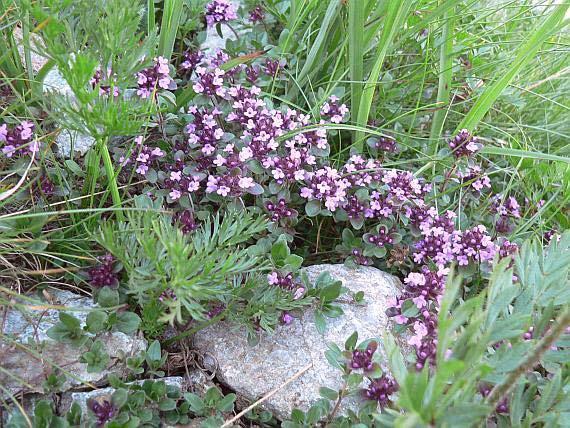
x=531, y=360
x=197, y=328
x=111, y=177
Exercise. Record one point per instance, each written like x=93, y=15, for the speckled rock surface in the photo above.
x=29, y=355
x=254, y=371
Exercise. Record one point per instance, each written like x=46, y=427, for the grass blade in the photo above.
x=445, y=79
x=525, y=53
x=356, y=21
x=150, y=21
x=169, y=27
x=331, y=14
x=395, y=16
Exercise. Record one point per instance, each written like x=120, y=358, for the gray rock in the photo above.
x=29, y=356
x=69, y=141
x=254, y=371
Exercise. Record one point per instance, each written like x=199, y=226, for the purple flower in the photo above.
x=464, y=144
x=103, y=81
x=362, y=359
x=191, y=60
x=220, y=11
x=104, y=411
x=18, y=140
x=185, y=221
x=257, y=14
x=166, y=295
x=154, y=78
x=286, y=318
x=103, y=274
x=279, y=211
x=384, y=144
x=334, y=111
x=273, y=67
x=380, y=390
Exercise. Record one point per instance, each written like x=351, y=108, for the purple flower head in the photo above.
x=464, y=144
x=166, y=295
x=380, y=390
x=252, y=74
x=216, y=310
x=327, y=185
x=153, y=78
x=382, y=238
x=104, y=411
x=220, y=11
x=273, y=67
x=359, y=258
x=185, y=221
x=104, y=82
x=142, y=157
x=210, y=83
x=103, y=274
x=257, y=14
x=18, y=140
x=474, y=244
x=385, y=144
x=46, y=185
x=279, y=210
x=286, y=318
x=333, y=111
x=191, y=60
x=362, y=359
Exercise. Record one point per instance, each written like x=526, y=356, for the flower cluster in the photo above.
x=384, y=144
x=362, y=359
x=142, y=157
x=334, y=111
x=190, y=60
x=506, y=210
x=464, y=144
x=105, y=273
x=102, y=81
x=257, y=14
x=18, y=140
x=328, y=185
x=152, y=78
x=287, y=282
x=381, y=389
x=185, y=220
x=280, y=211
x=220, y=11
x=103, y=411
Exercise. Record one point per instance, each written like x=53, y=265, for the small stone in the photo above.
x=69, y=141
x=29, y=355
x=254, y=371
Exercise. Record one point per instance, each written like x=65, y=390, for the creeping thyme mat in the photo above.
x=419, y=143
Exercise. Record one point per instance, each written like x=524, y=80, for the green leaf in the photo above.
x=128, y=322
x=280, y=251
x=171, y=13
x=195, y=402
x=119, y=398
x=294, y=261
x=167, y=404
x=329, y=394
x=107, y=297
x=96, y=321
x=154, y=352
x=320, y=322
x=226, y=404
x=313, y=208
x=350, y=343
x=96, y=358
